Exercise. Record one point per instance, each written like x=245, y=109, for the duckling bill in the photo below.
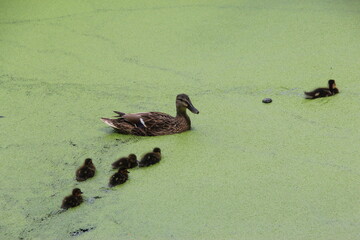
x=323, y=92
x=119, y=178
x=73, y=200
x=151, y=158
x=126, y=162
x=87, y=170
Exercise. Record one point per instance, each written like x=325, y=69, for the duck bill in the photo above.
x=192, y=108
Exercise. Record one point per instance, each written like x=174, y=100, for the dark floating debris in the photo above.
x=2, y=116
x=52, y=214
x=267, y=100
x=81, y=231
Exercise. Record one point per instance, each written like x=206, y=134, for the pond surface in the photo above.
x=247, y=170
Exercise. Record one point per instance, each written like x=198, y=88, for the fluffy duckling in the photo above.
x=323, y=92
x=87, y=170
x=151, y=158
x=119, y=178
x=73, y=200
x=125, y=162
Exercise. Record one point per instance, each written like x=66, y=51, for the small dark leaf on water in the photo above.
x=81, y=231
x=267, y=100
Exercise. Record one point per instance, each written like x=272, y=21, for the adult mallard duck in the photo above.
x=150, y=158
x=154, y=123
x=323, y=92
x=73, y=200
x=87, y=170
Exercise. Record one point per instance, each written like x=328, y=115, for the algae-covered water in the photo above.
x=247, y=170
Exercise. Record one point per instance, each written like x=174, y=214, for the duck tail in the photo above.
x=108, y=121
x=119, y=114
x=308, y=94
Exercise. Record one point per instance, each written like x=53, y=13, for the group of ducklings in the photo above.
x=182, y=101
x=88, y=169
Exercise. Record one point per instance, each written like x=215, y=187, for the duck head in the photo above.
x=157, y=150
x=332, y=84
x=88, y=161
x=183, y=101
x=132, y=157
x=76, y=192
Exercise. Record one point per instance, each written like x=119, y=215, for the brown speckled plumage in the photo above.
x=155, y=123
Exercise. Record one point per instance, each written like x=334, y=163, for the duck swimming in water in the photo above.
x=150, y=158
x=126, y=162
x=87, y=170
x=154, y=123
x=119, y=178
x=323, y=92
x=73, y=200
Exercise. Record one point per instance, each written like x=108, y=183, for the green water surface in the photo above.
x=247, y=170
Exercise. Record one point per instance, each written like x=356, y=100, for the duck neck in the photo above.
x=181, y=113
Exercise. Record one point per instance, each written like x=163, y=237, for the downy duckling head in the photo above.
x=76, y=192
x=157, y=150
x=88, y=161
x=332, y=84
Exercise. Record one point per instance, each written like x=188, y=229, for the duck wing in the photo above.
x=158, y=123
x=153, y=124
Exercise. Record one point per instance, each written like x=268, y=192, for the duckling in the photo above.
x=125, y=162
x=323, y=92
x=73, y=200
x=87, y=170
x=151, y=158
x=119, y=178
